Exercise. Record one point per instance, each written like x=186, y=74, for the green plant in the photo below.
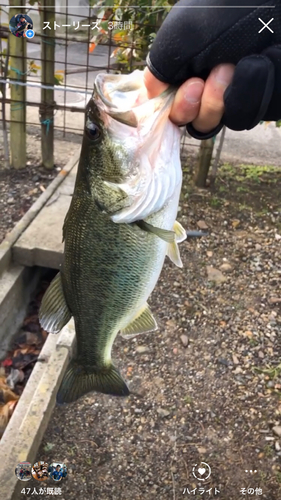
x=278, y=477
x=241, y=189
x=268, y=451
x=188, y=400
x=215, y=202
x=271, y=371
x=132, y=30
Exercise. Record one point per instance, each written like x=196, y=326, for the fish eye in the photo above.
x=93, y=130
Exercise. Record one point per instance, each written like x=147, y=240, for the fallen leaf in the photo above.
x=4, y=418
x=5, y=415
x=7, y=395
x=44, y=334
x=248, y=333
x=7, y=362
x=14, y=377
x=202, y=224
x=31, y=319
x=92, y=47
x=235, y=223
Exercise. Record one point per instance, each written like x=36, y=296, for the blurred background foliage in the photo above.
x=132, y=30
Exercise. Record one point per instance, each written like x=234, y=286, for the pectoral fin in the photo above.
x=180, y=232
x=54, y=312
x=144, y=322
x=173, y=250
x=164, y=234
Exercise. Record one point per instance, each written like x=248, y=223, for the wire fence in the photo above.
x=74, y=64
x=49, y=81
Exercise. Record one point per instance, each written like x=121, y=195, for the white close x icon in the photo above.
x=266, y=25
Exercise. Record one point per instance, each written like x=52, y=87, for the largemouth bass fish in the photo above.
x=120, y=226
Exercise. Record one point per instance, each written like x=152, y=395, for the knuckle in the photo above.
x=213, y=105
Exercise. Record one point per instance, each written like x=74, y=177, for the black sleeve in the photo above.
x=193, y=40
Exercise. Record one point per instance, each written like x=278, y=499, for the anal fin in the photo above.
x=144, y=322
x=174, y=254
x=54, y=312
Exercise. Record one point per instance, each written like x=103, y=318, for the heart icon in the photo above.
x=201, y=470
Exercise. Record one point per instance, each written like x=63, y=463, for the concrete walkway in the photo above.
x=41, y=243
x=259, y=146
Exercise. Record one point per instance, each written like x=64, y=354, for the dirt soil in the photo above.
x=20, y=188
x=207, y=385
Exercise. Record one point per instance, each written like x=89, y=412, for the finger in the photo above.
x=154, y=87
x=212, y=104
x=187, y=101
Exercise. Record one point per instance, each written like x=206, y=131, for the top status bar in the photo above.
x=151, y=6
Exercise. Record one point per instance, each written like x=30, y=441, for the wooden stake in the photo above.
x=203, y=162
x=47, y=78
x=215, y=165
x=18, y=95
x=4, y=124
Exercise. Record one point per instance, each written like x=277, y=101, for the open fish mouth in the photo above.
x=124, y=97
x=119, y=91
x=146, y=143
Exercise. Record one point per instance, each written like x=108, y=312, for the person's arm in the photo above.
x=192, y=42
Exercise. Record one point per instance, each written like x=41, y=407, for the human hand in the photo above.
x=196, y=101
x=192, y=42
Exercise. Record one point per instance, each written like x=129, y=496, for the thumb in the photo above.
x=154, y=87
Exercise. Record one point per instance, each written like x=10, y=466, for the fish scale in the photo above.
x=100, y=287
x=110, y=269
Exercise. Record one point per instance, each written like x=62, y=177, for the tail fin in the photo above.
x=77, y=382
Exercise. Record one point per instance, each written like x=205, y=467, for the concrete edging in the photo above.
x=23, y=435
x=13, y=236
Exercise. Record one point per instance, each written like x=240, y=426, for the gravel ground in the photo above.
x=207, y=385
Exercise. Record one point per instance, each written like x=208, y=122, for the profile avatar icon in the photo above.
x=21, y=25
x=23, y=471
x=57, y=471
x=40, y=471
